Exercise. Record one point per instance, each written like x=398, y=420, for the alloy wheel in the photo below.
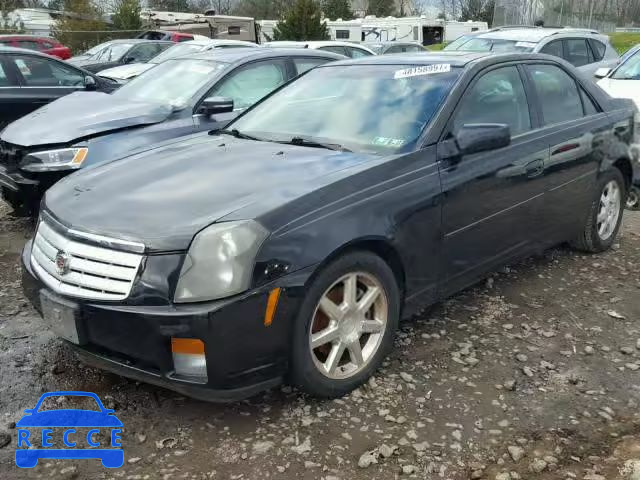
x=348, y=325
x=609, y=210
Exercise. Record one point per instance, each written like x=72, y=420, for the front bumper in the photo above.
x=24, y=191
x=243, y=355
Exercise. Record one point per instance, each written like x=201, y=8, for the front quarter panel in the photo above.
x=395, y=203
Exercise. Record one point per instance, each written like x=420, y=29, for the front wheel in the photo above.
x=345, y=326
x=605, y=216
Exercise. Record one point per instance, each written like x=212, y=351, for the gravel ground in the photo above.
x=532, y=374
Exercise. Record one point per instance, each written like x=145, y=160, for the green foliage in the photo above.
x=83, y=17
x=170, y=5
x=127, y=15
x=624, y=41
x=480, y=10
x=261, y=9
x=334, y=9
x=381, y=8
x=302, y=22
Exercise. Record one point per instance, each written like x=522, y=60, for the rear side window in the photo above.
x=306, y=64
x=29, y=44
x=577, y=53
x=553, y=48
x=598, y=49
x=356, y=52
x=335, y=49
x=589, y=107
x=43, y=72
x=497, y=97
x=4, y=81
x=557, y=93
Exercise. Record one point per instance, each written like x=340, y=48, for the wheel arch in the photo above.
x=626, y=168
x=379, y=246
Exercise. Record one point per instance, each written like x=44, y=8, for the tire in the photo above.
x=312, y=368
x=593, y=239
x=633, y=198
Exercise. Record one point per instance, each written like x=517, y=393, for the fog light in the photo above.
x=188, y=357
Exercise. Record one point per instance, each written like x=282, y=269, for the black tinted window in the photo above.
x=598, y=49
x=557, y=93
x=4, y=81
x=43, y=72
x=553, y=48
x=589, y=106
x=497, y=97
x=577, y=52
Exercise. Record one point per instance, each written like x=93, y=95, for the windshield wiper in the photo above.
x=234, y=132
x=305, y=142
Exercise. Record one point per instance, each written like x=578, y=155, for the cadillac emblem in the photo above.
x=62, y=262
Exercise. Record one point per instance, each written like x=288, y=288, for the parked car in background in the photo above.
x=288, y=245
x=124, y=73
x=90, y=53
x=585, y=49
x=385, y=48
x=123, y=52
x=623, y=81
x=180, y=96
x=47, y=45
x=170, y=36
x=29, y=80
x=348, y=49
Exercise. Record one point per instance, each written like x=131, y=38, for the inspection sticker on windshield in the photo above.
x=423, y=70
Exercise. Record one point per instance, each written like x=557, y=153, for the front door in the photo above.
x=11, y=105
x=491, y=198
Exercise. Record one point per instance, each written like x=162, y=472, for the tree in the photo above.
x=75, y=28
x=127, y=15
x=335, y=9
x=262, y=9
x=302, y=22
x=381, y=8
x=169, y=5
x=481, y=10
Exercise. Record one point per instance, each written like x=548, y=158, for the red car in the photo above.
x=46, y=45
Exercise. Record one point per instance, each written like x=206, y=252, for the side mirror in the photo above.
x=214, y=105
x=481, y=137
x=128, y=59
x=602, y=72
x=90, y=83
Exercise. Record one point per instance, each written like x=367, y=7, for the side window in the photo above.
x=553, y=48
x=29, y=44
x=356, y=52
x=46, y=46
x=4, y=80
x=577, y=52
x=589, y=106
x=335, y=49
x=42, y=72
x=497, y=97
x=557, y=93
x=395, y=49
x=251, y=83
x=598, y=49
x=305, y=64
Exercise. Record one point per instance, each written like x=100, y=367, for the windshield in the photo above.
x=630, y=69
x=97, y=48
x=173, y=82
x=458, y=42
x=369, y=108
x=112, y=53
x=177, y=51
x=496, y=45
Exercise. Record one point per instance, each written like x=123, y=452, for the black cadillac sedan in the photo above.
x=289, y=245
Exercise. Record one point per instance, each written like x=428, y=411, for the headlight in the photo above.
x=59, y=159
x=220, y=261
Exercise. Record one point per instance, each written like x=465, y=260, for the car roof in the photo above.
x=455, y=58
x=25, y=35
x=392, y=42
x=534, y=35
x=5, y=49
x=242, y=54
x=137, y=40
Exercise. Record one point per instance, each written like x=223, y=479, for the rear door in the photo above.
x=245, y=85
x=577, y=133
x=42, y=80
x=11, y=105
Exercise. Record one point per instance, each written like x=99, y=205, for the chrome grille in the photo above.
x=89, y=272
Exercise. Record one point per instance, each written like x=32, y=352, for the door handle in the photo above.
x=534, y=168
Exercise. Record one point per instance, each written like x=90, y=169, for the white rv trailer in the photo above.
x=453, y=29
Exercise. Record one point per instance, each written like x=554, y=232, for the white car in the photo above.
x=124, y=73
x=348, y=49
x=624, y=82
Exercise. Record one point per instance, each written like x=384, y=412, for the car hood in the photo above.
x=79, y=115
x=164, y=196
x=69, y=418
x=622, y=88
x=125, y=72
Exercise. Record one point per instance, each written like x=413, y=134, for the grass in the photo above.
x=624, y=41
x=620, y=41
